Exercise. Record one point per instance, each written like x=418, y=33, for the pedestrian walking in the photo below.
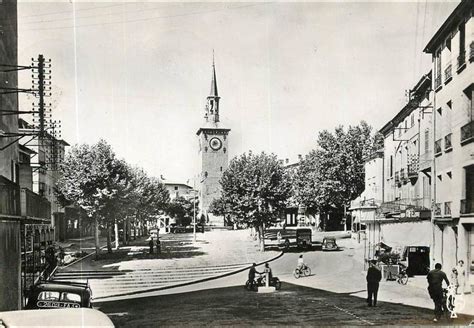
x=373, y=279
x=158, y=245
x=435, y=289
x=151, y=243
x=61, y=255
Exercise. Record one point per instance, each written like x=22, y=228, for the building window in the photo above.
x=427, y=140
x=221, y=168
x=462, y=46
x=391, y=166
x=176, y=188
x=437, y=80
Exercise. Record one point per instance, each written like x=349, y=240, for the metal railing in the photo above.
x=447, y=142
x=9, y=197
x=437, y=209
x=461, y=59
x=448, y=73
x=412, y=170
x=437, y=147
x=397, y=177
x=467, y=132
x=471, y=51
x=447, y=208
x=437, y=81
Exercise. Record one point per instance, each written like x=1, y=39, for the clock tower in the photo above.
x=213, y=153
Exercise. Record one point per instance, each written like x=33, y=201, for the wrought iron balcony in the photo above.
x=397, y=177
x=437, y=209
x=437, y=81
x=412, y=170
x=471, y=52
x=437, y=147
x=9, y=197
x=467, y=133
x=447, y=208
x=448, y=73
x=403, y=176
x=467, y=206
x=461, y=59
x=447, y=142
x=34, y=205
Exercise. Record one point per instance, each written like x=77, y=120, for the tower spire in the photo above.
x=214, y=92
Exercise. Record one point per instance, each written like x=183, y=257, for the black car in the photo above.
x=55, y=294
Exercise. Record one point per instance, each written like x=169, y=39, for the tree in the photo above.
x=182, y=209
x=93, y=179
x=333, y=173
x=254, y=191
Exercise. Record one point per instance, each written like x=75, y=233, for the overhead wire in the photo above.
x=69, y=11
x=143, y=19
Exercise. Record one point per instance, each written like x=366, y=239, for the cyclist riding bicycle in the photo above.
x=301, y=265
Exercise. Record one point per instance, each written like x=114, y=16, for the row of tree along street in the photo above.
x=256, y=188
x=108, y=190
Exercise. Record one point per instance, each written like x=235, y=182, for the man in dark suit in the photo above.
x=435, y=289
x=373, y=279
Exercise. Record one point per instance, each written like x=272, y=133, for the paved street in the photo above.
x=132, y=270
x=293, y=305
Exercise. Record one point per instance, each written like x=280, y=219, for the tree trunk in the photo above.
x=261, y=238
x=96, y=235
x=116, y=235
x=109, y=238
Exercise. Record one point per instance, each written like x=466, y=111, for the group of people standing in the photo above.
x=435, y=285
x=151, y=244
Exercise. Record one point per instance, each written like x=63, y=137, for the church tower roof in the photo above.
x=214, y=92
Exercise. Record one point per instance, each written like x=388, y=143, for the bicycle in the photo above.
x=303, y=271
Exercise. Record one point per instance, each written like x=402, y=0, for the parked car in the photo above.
x=329, y=244
x=58, y=294
x=81, y=317
x=189, y=228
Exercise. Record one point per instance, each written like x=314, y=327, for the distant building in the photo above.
x=178, y=189
x=213, y=154
x=452, y=51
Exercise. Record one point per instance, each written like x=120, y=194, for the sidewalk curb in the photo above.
x=192, y=282
x=82, y=258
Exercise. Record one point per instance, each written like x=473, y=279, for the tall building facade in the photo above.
x=452, y=51
x=10, y=216
x=213, y=153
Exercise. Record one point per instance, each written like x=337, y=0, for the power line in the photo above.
x=91, y=16
x=142, y=19
x=69, y=11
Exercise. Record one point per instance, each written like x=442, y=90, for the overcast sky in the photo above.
x=137, y=74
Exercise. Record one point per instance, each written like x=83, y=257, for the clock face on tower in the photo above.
x=215, y=143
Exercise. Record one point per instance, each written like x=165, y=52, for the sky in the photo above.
x=137, y=74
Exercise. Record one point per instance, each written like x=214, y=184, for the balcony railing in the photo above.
x=34, y=205
x=467, y=206
x=437, y=147
x=437, y=81
x=397, y=177
x=467, y=133
x=403, y=176
x=471, y=52
x=447, y=142
x=448, y=73
x=412, y=170
x=437, y=209
x=461, y=59
x=9, y=197
x=447, y=208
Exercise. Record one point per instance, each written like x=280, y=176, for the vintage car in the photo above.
x=55, y=318
x=329, y=244
x=58, y=294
